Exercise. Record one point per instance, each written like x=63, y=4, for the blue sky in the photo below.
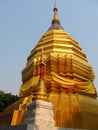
x=23, y=22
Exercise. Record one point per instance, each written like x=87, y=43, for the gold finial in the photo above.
x=54, y=2
x=55, y=9
x=40, y=92
x=55, y=21
x=55, y=6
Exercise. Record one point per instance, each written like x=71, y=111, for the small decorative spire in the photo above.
x=40, y=92
x=42, y=66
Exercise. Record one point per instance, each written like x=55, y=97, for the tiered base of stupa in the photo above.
x=39, y=116
x=80, y=113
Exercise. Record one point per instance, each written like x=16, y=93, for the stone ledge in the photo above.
x=33, y=127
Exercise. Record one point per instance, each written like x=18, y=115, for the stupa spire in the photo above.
x=40, y=92
x=55, y=21
x=55, y=10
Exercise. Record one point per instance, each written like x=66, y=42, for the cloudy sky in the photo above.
x=23, y=22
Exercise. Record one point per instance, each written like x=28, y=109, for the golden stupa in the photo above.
x=68, y=79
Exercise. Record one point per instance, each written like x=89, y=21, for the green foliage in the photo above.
x=6, y=99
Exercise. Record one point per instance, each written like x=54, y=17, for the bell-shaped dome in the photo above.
x=66, y=63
